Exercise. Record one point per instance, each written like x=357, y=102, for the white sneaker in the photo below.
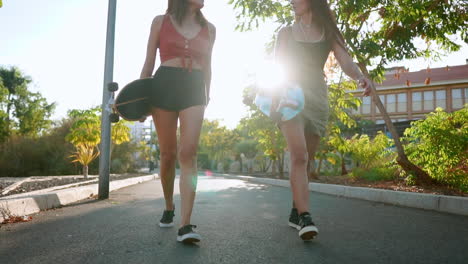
x=186, y=234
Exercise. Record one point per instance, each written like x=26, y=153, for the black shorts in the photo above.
x=176, y=89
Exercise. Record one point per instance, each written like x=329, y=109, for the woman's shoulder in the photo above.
x=210, y=25
x=157, y=20
x=285, y=32
x=211, y=30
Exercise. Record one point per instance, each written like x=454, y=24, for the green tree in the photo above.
x=22, y=112
x=217, y=141
x=246, y=148
x=85, y=135
x=378, y=33
x=47, y=155
x=439, y=144
x=124, y=157
x=270, y=140
x=340, y=117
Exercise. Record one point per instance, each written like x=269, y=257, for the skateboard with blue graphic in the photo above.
x=284, y=106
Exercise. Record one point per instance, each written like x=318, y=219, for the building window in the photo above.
x=429, y=100
x=401, y=101
x=417, y=101
x=391, y=103
x=457, y=100
x=366, y=105
x=441, y=99
x=466, y=95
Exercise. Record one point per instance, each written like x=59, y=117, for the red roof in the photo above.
x=402, y=78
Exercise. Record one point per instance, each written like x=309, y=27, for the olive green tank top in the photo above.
x=305, y=62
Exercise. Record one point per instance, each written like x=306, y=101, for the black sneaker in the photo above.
x=166, y=219
x=187, y=235
x=294, y=219
x=307, y=230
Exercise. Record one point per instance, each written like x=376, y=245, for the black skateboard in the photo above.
x=132, y=103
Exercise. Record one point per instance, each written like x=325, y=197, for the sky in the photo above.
x=61, y=44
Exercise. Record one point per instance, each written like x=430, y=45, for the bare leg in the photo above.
x=166, y=127
x=313, y=142
x=294, y=133
x=191, y=120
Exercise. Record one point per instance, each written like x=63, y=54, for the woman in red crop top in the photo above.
x=181, y=92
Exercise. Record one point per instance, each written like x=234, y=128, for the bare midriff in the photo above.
x=177, y=63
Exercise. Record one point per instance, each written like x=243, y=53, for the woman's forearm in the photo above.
x=346, y=62
x=147, y=69
x=352, y=70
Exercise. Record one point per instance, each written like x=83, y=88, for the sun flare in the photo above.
x=270, y=76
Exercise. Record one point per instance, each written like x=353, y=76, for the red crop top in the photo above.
x=173, y=45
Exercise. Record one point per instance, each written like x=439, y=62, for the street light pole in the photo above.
x=104, y=157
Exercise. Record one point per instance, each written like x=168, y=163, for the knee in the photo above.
x=187, y=154
x=299, y=157
x=168, y=157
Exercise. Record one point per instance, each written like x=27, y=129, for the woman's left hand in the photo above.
x=365, y=84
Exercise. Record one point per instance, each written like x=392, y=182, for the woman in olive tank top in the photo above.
x=303, y=49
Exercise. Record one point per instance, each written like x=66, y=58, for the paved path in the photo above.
x=240, y=223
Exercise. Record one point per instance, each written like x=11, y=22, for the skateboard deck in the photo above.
x=132, y=103
x=290, y=104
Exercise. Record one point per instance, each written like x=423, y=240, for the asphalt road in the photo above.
x=240, y=223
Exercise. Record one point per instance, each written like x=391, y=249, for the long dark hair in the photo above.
x=179, y=8
x=322, y=12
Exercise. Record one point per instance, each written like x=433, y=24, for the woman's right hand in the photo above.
x=365, y=84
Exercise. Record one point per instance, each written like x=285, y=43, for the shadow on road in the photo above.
x=240, y=223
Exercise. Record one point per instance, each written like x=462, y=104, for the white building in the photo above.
x=140, y=131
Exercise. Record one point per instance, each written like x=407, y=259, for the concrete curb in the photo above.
x=14, y=186
x=49, y=190
x=27, y=205
x=441, y=203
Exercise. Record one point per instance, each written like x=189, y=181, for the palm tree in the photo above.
x=84, y=155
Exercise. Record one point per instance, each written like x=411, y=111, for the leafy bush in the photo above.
x=439, y=145
x=374, y=174
x=203, y=161
x=124, y=157
x=48, y=155
x=370, y=153
x=373, y=157
x=331, y=164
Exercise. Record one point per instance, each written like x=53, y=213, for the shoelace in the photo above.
x=187, y=229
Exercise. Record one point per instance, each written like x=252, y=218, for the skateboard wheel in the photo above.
x=114, y=118
x=113, y=86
